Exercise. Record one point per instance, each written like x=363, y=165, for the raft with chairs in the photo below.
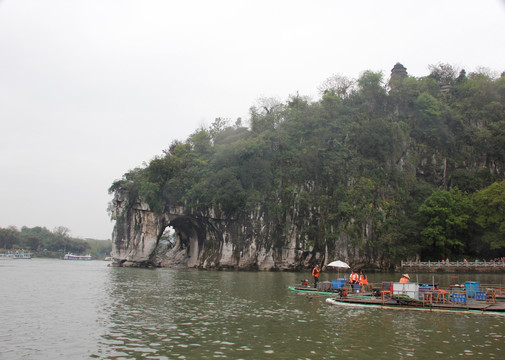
x=472, y=298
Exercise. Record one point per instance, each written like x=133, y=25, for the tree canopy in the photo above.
x=421, y=159
x=50, y=243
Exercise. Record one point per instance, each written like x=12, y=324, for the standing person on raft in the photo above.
x=315, y=274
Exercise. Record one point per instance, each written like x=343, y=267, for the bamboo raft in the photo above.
x=412, y=296
x=310, y=290
x=469, y=307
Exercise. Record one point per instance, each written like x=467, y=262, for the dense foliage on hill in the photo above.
x=411, y=166
x=51, y=243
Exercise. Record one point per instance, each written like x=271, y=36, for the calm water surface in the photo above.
x=53, y=309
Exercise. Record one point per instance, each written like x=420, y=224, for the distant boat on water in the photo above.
x=15, y=255
x=77, y=257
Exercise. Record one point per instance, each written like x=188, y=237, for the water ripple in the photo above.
x=86, y=310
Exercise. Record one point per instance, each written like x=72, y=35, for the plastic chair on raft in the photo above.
x=442, y=295
x=491, y=296
x=386, y=289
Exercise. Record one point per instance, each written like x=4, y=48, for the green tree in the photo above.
x=357, y=163
x=489, y=205
x=371, y=92
x=32, y=242
x=428, y=119
x=444, y=74
x=445, y=216
x=337, y=85
x=9, y=238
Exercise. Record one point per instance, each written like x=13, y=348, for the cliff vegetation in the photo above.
x=402, y=168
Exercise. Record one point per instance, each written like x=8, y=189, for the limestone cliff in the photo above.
x=210, y=240
x=308, y=182
x=294, y=238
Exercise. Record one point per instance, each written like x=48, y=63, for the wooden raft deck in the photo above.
x=471, y=306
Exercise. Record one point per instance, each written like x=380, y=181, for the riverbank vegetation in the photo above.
x=407, y=167
x=54, y=244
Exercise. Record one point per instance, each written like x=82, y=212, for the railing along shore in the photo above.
x=458, y=264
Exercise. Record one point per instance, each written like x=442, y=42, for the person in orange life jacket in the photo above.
x=353, y=278
x=405, y=279
x=315, y=274
x=362, y=278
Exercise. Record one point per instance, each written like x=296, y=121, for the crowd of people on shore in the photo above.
x=495, y=260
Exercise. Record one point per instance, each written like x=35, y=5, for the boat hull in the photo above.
x=77, y=257
x=472, y=308
x=311, y=290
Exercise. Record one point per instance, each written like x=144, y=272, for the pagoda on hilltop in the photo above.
x=398, y=73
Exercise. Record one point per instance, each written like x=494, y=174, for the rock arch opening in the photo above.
x=181, y=242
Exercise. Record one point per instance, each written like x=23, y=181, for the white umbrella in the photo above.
x=339, y=264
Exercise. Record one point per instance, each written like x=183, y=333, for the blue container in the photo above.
x=425, y=288
x=480, y=295
x=459, y=298
x=338, y=284
x=471, y=287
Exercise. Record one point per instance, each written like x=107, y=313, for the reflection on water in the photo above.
x=193, y=314
x=49, y=308
x=82, y=310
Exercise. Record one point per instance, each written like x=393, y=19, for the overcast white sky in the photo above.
x=93, y=88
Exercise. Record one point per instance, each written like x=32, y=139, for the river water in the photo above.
x=54, y=309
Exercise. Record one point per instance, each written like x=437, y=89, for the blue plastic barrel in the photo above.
x=471, y=287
